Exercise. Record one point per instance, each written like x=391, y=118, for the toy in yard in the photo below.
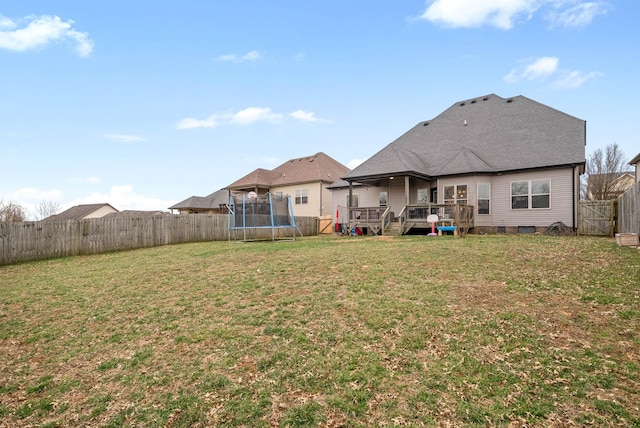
x=433, y=219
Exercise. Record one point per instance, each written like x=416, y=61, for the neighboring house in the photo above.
x=635, y=162
x=80, y=212
x=215, y=203
x=609, y=185
x=137, y=213
x=305, y=179
x=515, y=161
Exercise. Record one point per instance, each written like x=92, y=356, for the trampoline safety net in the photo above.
x=253, y=211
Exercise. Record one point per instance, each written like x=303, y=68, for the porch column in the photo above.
x=406, y=190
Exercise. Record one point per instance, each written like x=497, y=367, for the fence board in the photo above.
x=629, y=210
x=596, y=218
x=27, y=241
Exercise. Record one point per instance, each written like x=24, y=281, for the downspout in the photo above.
x=349, y=204
x=573, y=203
x=321, y=199
x=576, y=172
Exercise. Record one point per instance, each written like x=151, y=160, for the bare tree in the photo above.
x=47, y=208
x=602, y=169
x=11, y=212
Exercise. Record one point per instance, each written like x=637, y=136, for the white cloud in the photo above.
x=255, y=114
x=306, y=116
x=539, y=68
x=41, y=31
x=474, y=13
x=30, y=198
x=547, y=68
x=247, y=117
x=31, y=194
x=354, y=163
x=6, y=23
x=125, y=138
x=124, y=198
x=191, y=123
x=505, y=14
x=576, y=14
x=250, y=56
x=574, y=79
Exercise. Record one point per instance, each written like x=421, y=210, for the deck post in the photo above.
x=406, y=190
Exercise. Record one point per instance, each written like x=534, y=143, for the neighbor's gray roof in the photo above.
x=308, y=169
x=635, y=160
x=488, y=134
x=78, y=212
x=137, y=213
x=341, y=184
x=212, y=201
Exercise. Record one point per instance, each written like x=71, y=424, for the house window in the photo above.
x=301, y=196
x=534, y=194
x=277, y=196
x=354, y=201
x=455, y=194
x=484, y=198
x=423, y=195
x=383, y=199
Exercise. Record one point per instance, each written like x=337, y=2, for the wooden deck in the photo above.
x=377, y=220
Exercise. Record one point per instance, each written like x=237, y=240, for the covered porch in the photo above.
x=411, y=219
x=405, y=202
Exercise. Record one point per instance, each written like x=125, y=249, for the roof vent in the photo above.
x=509, y=100
x=473, y=101
x=485, y=98
x=462, y=103
x=425, y=124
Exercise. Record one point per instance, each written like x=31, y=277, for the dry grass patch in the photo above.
x=334, y=331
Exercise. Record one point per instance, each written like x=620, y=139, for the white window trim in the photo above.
x=529, y=194
x=355, y=196
x=303, y=196
x=455, y=193
x=478, y=198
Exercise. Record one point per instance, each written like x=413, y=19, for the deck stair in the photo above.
x=392, y=229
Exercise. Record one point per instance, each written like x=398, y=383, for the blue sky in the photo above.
x=144, y=103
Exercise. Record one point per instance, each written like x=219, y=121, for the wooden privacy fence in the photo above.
x=629, y=211
x=597, y=218
x=27, y=241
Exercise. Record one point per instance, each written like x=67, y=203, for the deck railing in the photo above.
x=373, y=219
x=376, y=219
x=415, y=216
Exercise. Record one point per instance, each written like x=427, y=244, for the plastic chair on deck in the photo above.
x=433, y=219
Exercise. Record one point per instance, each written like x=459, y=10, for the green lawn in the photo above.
x=332, y=331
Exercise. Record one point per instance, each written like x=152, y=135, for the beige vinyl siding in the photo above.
x=101, y=212
x=367, y=197
x=318, y=199
x=469, y=181
x=561, y=200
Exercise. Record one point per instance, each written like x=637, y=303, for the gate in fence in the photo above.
x=597, y=218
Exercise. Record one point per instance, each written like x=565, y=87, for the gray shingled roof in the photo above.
x=78, y=212
x=488, y=134
x=137, y=213
x=212, y=201
x=308, y=169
